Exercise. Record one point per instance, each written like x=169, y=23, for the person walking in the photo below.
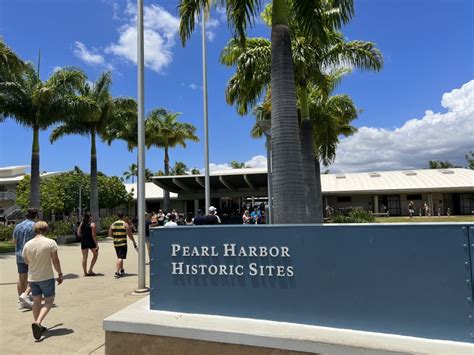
x=24, y=232
x=87, y=233
x=411, y=208
x=41, y=253
x=119, y=231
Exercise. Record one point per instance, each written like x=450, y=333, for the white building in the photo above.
x=443, y=190
x=10, y=177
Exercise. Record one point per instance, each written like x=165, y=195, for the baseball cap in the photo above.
x=212, y=209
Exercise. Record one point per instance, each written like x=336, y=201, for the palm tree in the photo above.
x=163, y=130
x=179, y=168
x=286, y=152
x=131, y=172
x=237, y=165
x=312, y=55
x=195, y=171
x=11, y=66
x=103, y=111
x=38, y=104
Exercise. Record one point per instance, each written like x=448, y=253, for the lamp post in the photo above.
x=207, y=184
x=141, y=151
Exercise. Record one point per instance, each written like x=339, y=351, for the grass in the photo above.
x=424, y=219
x=6, y=247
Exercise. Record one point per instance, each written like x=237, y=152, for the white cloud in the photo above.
x=160, y=30
x=86, y=55
x=193, y=86
x=211, y=26
x=435, y=136
x=56, y=68
x=258, y=161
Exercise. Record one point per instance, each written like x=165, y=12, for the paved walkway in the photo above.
x=81, y=304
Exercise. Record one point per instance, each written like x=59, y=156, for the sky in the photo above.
x=420, y=107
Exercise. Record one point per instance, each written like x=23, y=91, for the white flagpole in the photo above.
x=207, y=183
x=141, y=151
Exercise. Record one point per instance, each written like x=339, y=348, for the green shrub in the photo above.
x=60, y=228
x=105, y=222
x=6, y=232
x=353, y=215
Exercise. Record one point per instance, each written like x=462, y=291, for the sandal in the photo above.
x=37, y=330
x=91, y=273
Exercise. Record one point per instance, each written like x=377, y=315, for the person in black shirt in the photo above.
x=212, y=217
x=87, y=233
x=199, y=219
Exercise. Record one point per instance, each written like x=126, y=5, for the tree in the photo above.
x=11, y=66
x=179, y=168
x=236, y=165
x=99, y=111
x=131, y=173
x=39, y=104
x=312, y=56
x=195, y=171
x=470, y=160
x=438, y=164
x=163, y=130
x=60, y=193
x=286, y=151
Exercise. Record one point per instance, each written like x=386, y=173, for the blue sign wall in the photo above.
x=403, y=279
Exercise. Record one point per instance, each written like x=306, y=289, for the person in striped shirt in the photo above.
x=119, y=231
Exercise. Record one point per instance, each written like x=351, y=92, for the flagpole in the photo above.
x=207, y=184
x=141, y=151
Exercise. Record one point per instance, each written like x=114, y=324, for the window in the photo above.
x=344, y=199
x=467, y=203
x=414, y=197
x=393, y=203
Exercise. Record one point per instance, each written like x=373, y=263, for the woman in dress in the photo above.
x=87, y=234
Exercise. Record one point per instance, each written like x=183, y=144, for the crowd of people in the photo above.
x=37, y=255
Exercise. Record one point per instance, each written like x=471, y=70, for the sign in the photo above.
x=410, y=280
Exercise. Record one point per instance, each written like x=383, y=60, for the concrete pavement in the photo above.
x=81, y=304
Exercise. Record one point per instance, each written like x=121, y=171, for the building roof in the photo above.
x=399, y=181
x=253, y=182
x=14, y=174
x=152, y=191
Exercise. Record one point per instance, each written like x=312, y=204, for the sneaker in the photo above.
x=25, y=301
x=122, y=272
x=117, y=275
x=37, y=330
x=20, y=305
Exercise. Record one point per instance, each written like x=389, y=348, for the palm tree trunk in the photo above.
x=319, y=192
x=307, y=155
x=288, y=194
x=94, y=200
x=35, y=170
x=166, y=193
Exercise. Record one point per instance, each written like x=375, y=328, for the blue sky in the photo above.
x=427, y=47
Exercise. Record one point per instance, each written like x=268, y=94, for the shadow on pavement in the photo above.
x=127, y=275
x=70, y=276
x=54, y=331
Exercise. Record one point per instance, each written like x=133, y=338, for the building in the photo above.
x=10, y=177
x=445, y=191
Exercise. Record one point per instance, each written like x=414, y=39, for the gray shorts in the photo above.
x=47, y=288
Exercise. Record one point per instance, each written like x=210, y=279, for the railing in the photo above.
x=7, y=195
x=10, y=211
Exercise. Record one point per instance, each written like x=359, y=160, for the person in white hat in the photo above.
x=212, y=217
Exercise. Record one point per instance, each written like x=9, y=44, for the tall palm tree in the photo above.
x=163, y=130
x=131, y=172
x=103, y=111
x=286, y=152
x=38, y=104
x=312, y=56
